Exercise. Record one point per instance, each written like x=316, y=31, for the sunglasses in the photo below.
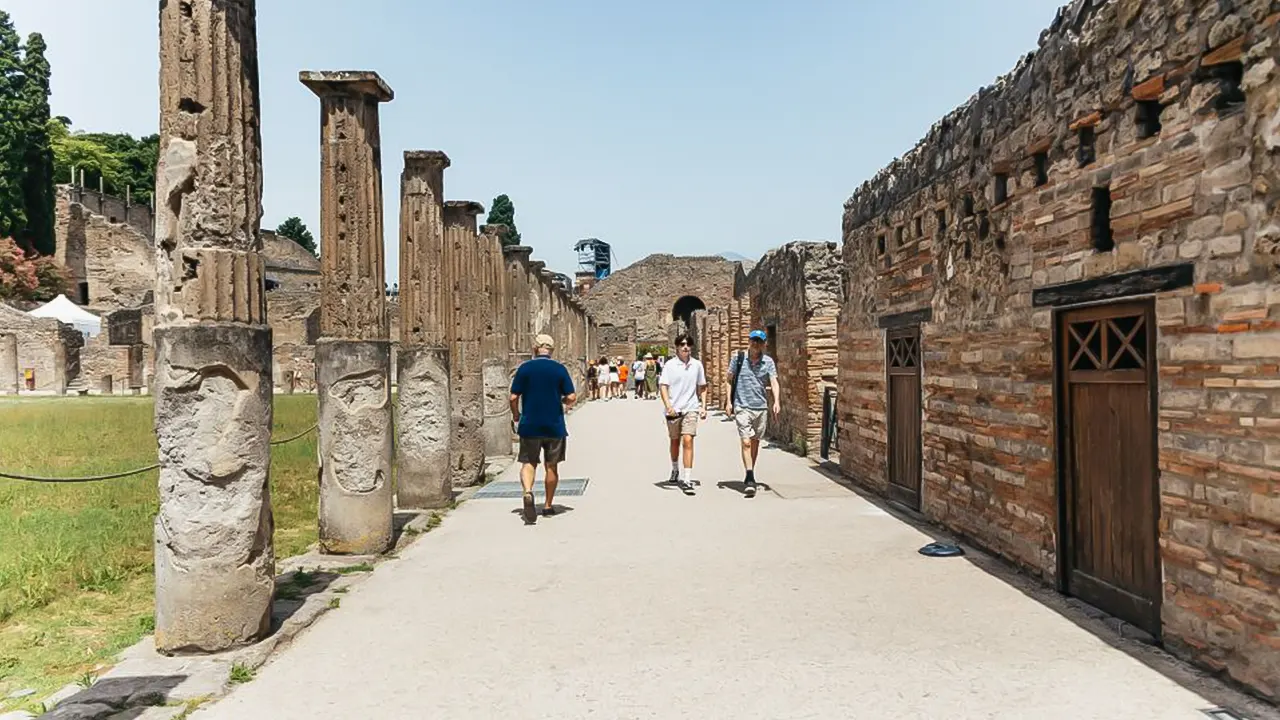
x=685, y=344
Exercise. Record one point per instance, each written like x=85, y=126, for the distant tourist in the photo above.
x=613, y=378
x=651, y=373
x=749, y=373
x=539, y=393
x=591, y=380
x=602, y=379
x=624, y=374
x=683, y=386
x=638, y=372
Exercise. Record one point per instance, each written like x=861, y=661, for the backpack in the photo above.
x=733, y=383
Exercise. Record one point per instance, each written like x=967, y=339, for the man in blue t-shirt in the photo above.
x=545, y=387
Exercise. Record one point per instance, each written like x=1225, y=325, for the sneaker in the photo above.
x=549, y=510
x=675, y=478
x=750, y=488
x=687, y=488
x=530, y=510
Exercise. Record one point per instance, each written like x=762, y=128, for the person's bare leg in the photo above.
x=527, y=474
x=529, y=510
x=675, y=449
x=551, y=478
x=687, y=441
x=749, y=454
x=755, y=451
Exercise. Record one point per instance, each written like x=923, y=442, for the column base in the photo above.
x=424, y=429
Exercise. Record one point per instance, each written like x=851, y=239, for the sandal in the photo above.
x=530, y=510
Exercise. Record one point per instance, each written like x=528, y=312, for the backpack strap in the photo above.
x=737, y=372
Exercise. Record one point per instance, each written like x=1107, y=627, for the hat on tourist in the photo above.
x=648, y=356
x=758, y=335
x=544, y=341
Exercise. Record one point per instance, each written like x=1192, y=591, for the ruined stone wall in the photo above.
x=972, y=230
x=795, y=296
x=48, y=348
x=645, y=292
x=615, y=340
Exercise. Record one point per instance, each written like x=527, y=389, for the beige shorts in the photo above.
x=683, y=424
x=751, y=423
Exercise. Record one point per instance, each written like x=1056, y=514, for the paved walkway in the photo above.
x=639, y=602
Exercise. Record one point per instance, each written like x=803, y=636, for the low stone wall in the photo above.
x=48, y=351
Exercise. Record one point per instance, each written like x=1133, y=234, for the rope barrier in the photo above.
x=127, y=473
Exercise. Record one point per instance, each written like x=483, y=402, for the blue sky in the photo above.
x=683, y=127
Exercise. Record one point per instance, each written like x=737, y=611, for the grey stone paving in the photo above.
x=638, y=602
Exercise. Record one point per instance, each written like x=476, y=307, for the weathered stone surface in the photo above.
x=213, y=552
x=424, y=422
x=497, y=412
x=648, y=291
x=466, y=397
x=423, y=317
x=8, y=364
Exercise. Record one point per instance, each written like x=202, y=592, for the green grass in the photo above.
x=240, y=674
x=76, y=560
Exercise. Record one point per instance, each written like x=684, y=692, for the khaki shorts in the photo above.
x=751, y=423
x=683, y=424
x=551, y=450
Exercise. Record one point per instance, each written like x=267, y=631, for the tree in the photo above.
x=294, y=229
x=37, y=184
x=80, y=152
x=26, y=276
x=13, y=216
x=503, y=212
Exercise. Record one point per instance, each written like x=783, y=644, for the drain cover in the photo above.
x=568, y=487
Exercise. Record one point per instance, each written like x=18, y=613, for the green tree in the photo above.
x=80, y=152
x=13, y=216
x=503, y=212
x=137, y=163
x=294, y=229
x=37, y=184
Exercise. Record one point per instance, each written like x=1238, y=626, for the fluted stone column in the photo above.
x=214, y=562
x=8, y=364
x=467, y=396
x=521, y=320
x=424, y=422
x=353, y=352
x=495, y=346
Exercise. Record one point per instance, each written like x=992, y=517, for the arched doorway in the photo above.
x=685, y=307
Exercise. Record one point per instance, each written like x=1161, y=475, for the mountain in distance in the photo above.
x=736, y=257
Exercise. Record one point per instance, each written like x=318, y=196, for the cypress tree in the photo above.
x=503, y=212
x=38, y=182
x=13, y=218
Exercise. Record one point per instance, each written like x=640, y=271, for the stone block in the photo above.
x=1226, y=245
x=424, y=424
x=1257, y=345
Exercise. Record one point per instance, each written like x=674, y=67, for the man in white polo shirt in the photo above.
x=683, y=387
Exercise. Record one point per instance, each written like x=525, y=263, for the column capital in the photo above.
x=464, y=207
x=425, y=159
x=496, y=230
x=353, y=83
x=536, y=266
x=519, y=253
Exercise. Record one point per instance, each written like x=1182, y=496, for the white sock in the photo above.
x=675, y=465
x=685, y=474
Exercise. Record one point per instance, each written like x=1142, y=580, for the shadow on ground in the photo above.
x=122, y=697
x=1115, y=632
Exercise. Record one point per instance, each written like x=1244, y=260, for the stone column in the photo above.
x=8, y=364
x=214, y=562
x=467, y=396
x=353, y=352
x=521, y=339
x=497, y=385
x=424, y=422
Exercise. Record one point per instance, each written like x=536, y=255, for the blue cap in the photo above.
x=757, y=335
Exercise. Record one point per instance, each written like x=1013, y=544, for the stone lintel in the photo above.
x=520, y=252
x=903, y=319
x=328, y=83
x=426, y=159
x=468, y=207
x=1138, y=282
x=496, y=229
x=536, y=266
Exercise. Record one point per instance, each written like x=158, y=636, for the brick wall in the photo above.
x=645, y=292
x=996, y=207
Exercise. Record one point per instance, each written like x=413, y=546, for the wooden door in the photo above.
x=904, y=415
x=1106, y=364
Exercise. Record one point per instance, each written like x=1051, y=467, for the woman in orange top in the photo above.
x=623, y=372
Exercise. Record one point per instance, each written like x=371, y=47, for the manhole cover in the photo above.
x=568, y=487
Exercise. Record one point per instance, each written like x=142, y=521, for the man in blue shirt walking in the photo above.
x=545, y=388
x=750, y=374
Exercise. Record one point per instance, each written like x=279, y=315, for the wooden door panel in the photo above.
x=903, y=376
x=1106, y=363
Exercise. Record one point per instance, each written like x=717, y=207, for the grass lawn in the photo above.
x=76, y=560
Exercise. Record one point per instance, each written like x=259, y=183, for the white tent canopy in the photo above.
x=62, y=309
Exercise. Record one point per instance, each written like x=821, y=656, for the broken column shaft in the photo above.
x=467, y=396
x=214, y=561
x=353, y=352
x=424, y=421
x=494, y=348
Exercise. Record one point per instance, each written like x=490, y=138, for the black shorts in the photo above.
x=551, y=450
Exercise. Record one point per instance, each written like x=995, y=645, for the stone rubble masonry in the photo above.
x=214, y=563
x=353, y=353
x=49, y=349
x=8, y=364
x=646, y=292
x=465, y=363
x=424, y=423
x=795, y=294
x=963, y=226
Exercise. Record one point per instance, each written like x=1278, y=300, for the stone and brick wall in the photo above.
x=645, y=292
x=1168, y=112
x=46, y=347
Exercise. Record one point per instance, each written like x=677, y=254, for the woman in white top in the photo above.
x=637, y=372
x=602, y=379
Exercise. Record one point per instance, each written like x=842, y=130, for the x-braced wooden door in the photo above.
x=904, y=415
x=1107, y=453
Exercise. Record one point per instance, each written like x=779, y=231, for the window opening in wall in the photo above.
x=1229, y=76
x=968, y=250
x=1087, y=153
x=968, y=206
x=899, y=236
x=1000, y=241
x=1002, y=188
x=1147, y=116
x=1041, y=160
x=942, y=221
x=1101, y=225
x=919, y=226
x=880, y=245
x=984, y=226
x=84, y=293
x=112, y=218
